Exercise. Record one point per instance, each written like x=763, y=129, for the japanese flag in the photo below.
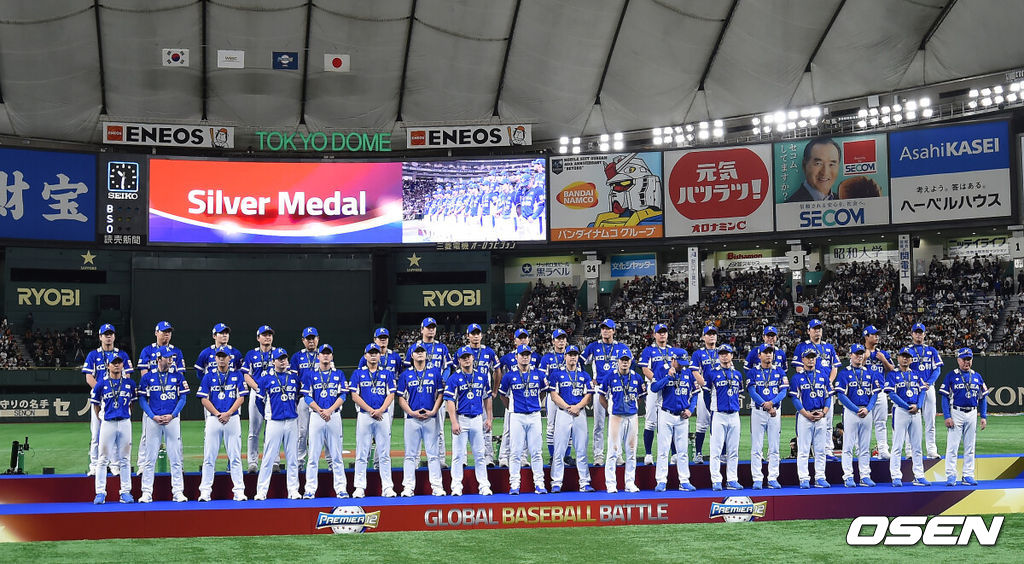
x=174, y=57
x=336, y=63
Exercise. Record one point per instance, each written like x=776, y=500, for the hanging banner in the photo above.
x=862, y=252
x=169, y=135
x=985, y=245
x=950, y=173
x=719, y=190
x=826, y=183
x=517, y=135
x=905, y=262
x=629, y=266
x=750, y=259
x=693, y=263
x=47, y=195
x=548, y=269
x=602, y=197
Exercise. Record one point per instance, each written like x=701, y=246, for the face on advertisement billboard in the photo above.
x=950, y=173
x=211, y=201
x=826, y=183
x=47, y=195
x=474, y=200
x=600, y=197
x=720, y=190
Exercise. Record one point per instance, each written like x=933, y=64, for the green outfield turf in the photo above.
x=64, y=446
x=792, y=541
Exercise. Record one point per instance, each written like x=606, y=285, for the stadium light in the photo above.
x=703, y=134
x=897, y=118
x=924, y=102
x=802, y=123
x=576, y=141
x=618, y=145
x=680, y=139
x=972, y=104
x=884, y=109
x=986, y=91
x=911, y=105
x=617, y=136
x=603, y=147
x=689, y=137
x=885, y=120
x=755, y=120
x=717, y=123
x=563, y=149
x=862, y=113
x=656, y=132
x=815, y=111
x=657, y=140
x=604, y=137
x=1011, y=97
x=767, y=129
x=973, y=93
x=911, y=114
x=718, y=132
x=780, y=116
x=813, y=121
x=563, y=140
x=926, y=113
x=873, y=112
x=769, y=118
x=897, y=108
x=575, y=149
x=862, y=124
x=756, y=130
x=998, y=99
x=986, y=101
x=998, y=89
x=703, y=125
x=873, y=122
x=689, y=127
x=793, y=114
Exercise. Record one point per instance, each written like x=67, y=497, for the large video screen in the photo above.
x=474, y=200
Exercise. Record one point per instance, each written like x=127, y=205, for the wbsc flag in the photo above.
x=336, y=63
x=230, y=59
x=175, y=57
x=286, y=60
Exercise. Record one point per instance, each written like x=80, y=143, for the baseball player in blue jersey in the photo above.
x=620, y=393
x=811, y=390
x=222, y=393
x=303, y=360
x=768, y=386
x=549, y=362
x=508, y=363
x=679, y=395
x=570, y=389
x=905, y=388
x=95, y=370
x=255, y=363
x=928, y=364
x=602, y=356
x=858, y=392
x=147, y=362
x=702, y=362
x=653, y=365
x=467, y=395
x=324, y=389
x=419, y=390
x=162, y=394
x=206, y=361
x=373, y=391
x=963, y=396
x=440, y=358
x=878, y=362
x=827, y=359
x=771, y=338
x=111, y=399
x=279, y=390
x=389, y=360
x=725, y=383
x=521, y=391
x=486, y=360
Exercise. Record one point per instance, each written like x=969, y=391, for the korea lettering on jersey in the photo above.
x=303, y=360
x=523, y=390
x=827, y=357
x=374, y=387
x=324, y=387
x=704, y=360
x=622, y=392
x=753, y=359
x=876, y=367
x=149, y=360
x=964, y=389
x=420, y=387
x=653, y=358
x=509, y=362
x=162, y=390
x=812, y=389
x=905, y=385
x=552, y=361
x=926, y=360
x=725, y=384
x=604, y=357
x=437, y=357
x=484, y=358
x=114, y=396
x=207, y=359
x=767, y=382
x=858, y=384
x=280, y=392
x=256, y=362
x=96, y=362
x=571, y=386
x=222, y=388
x=678, y=390
x=468, y=391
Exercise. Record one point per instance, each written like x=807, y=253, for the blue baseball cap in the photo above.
x=264, y=329
x=221, y=328
x=381, y=332
x=726, y=349
x=608, y=323
x=905, y=351
x=814, y=323
x=870, y=330
x=521, y=349
x=370, y=348
x=857, y=348
x=809, y=352
x=279, y=352
x=310, y=332
x=163, y=352
x=765, y=347
x=428, y=321
x=678, y=353
x=520, y=333
x=325, y=348
x=466, y=350
x=225, y=351
x=660, y=327
x=474, y=327
x=917, y=327
x=572, y=349
x=624, y=352
x=116, y=359
x=710, y=329
x=419, y=346
x=965, y=352
x=164, y=326
x=557, y=334
x=107, y=328
x=770, y=330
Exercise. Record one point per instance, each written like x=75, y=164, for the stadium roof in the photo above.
x=571, y=67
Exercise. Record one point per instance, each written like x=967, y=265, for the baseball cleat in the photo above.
x=648, y=460
x=294, y=495
x=277, y=468
x=127, y=498
x=970, y=481
x=359, y=492
x=388, y=492
x=672, y=460
x=821, y=483
x=920, y=482
x=774, y=485
x=598, y=461
x=698, y=458
x=883, y=456
x=932, y=455
x=850, y=483
x=569, y=461
x=238, y=497
x=100, y=499
x=587, y=489
x=556, y=489
x=733, y=485
x=612, y=490
x=757, y=486
x=513, y=491
x=540, y=490
x=407, y=492
x=632, y=488
x=456, y=492
x=437, y=492
x=686, y=487
x=867, y=483
x=146, y=498
x=503, y=462
x=897, y=483
x=486, y=491
x=259, y=497
x=660, y=487
x=716, y=487
x=179, y=498
x=253, y=469
x=309, y=495
x=205, y=497
x=805, y=484
x=950, y=480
